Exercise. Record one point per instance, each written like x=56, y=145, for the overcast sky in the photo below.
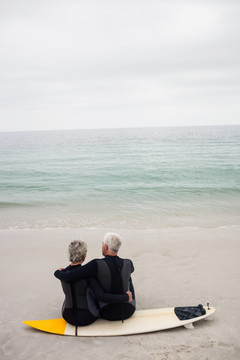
x=95, y=64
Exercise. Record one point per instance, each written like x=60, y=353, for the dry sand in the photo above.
x=173, y=267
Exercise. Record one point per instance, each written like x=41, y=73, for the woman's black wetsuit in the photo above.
x=80, y=307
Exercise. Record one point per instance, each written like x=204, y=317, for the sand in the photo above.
x=173, y=267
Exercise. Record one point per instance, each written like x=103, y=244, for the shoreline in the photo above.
x=124, y=228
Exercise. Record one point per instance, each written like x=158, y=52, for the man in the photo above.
x=114, y=276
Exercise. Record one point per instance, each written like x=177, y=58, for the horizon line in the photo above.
x=119, y=128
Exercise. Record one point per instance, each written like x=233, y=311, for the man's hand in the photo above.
x=60, y=269
x=129, y=296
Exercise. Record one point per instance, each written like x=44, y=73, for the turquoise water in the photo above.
x=147, y=178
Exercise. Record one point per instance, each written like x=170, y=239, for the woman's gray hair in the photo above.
x=77, y=250
x=113, y=241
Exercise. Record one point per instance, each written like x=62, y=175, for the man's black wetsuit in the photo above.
x=115, y=265
x=79, y=307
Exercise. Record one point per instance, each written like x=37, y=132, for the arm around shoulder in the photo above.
x=82, y=272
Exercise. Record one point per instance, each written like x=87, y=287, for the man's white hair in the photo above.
x=113, y=241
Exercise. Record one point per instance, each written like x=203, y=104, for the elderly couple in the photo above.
x=102, y=287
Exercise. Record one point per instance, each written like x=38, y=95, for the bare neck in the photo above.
x=111, y=253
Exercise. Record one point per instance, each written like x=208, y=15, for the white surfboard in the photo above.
x=142, y=321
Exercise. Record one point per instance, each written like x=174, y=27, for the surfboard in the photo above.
x=142, y=321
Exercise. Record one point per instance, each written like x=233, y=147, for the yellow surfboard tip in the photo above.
x=56, y=326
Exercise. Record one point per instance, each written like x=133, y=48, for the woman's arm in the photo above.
x=100, y=295
x=85, y=271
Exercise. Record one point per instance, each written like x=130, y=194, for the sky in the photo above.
x=71, y=64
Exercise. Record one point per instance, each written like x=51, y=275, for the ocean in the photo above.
x=140, y=178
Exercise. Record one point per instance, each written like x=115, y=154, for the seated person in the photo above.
x=79, y=307
x=114, y=276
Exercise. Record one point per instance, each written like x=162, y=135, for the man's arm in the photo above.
x=100, y=295
x=132, y=267
x=85, y=271
x=131, y=288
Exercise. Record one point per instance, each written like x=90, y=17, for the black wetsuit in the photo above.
x=114, y=310
x=79, y=307
x=73, y=312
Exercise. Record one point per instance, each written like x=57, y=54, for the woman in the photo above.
x=80, y=307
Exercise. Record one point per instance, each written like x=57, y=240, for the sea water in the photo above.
x=120, y=178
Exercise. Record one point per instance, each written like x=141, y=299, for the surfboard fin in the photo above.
x=189, y=326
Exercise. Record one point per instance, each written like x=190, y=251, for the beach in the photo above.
x=173, y=195
x=120, y=116
x=173, y=267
